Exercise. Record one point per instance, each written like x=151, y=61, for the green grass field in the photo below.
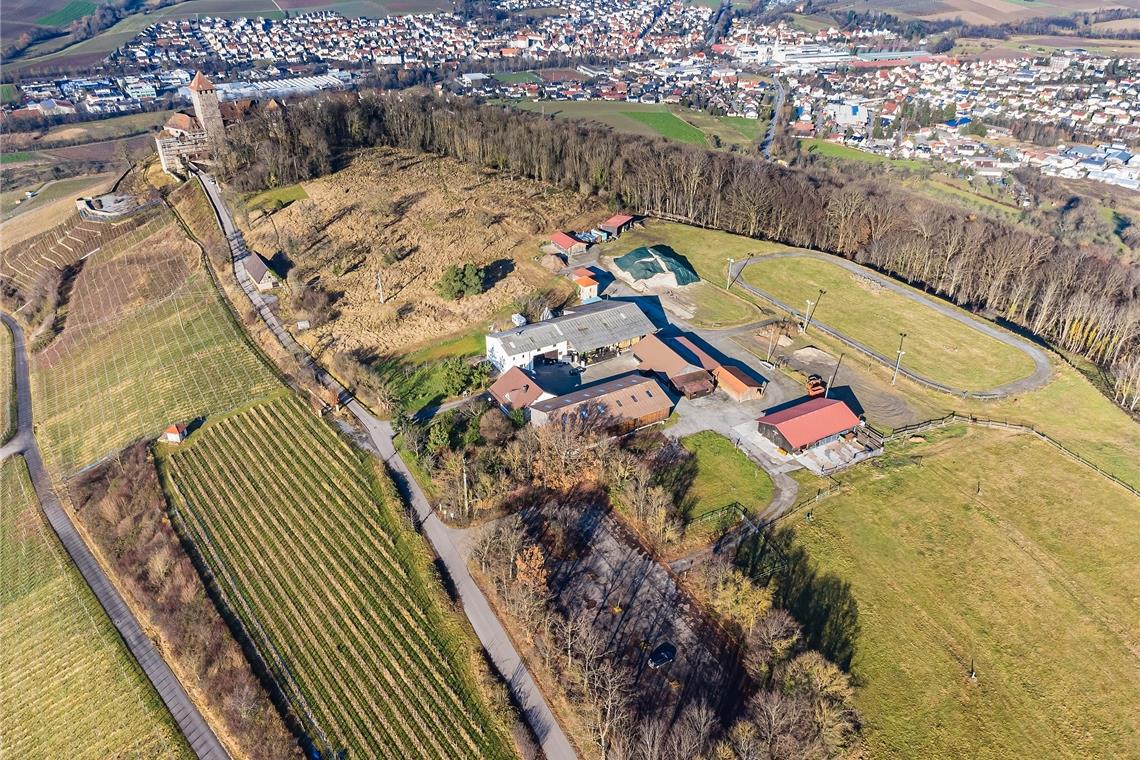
x=518, y=77
x=76, y=9
x=707, y=250
x=724, y=475
x=147, y=342
x=7, y=388
x=9, y=93
x=64, y=188
x=282, y=195
x=843, y=152
x=937, y=346
x=669, y=126
x=988, y=549
x=16, y=157
x=303, y=539
x=68, y=686
x=653, y=120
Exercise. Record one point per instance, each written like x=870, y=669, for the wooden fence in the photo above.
x=954, y=417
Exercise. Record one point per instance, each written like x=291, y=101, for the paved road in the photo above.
x=446, y=542
x=766, y=145
x=1042, y=371
x=198, y=734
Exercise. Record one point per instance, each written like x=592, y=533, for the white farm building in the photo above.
x=586, y=334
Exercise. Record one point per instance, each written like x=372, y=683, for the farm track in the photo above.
x=396, y=672
x=1042, y=372
x=186, y=715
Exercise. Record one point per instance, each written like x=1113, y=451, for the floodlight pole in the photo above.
x=728, y=278
x=771, y=342
x=812, y=306
x=898, y=359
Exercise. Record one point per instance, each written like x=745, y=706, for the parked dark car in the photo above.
x=663, y=655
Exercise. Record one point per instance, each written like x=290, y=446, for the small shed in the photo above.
x=616, y=224
x=175, y=433
x=738, y=384
x=258, y=271
x=566, y=244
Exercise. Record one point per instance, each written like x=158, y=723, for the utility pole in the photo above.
x=812, y=306
x=898, y=359
x=728, y=277
x=834, y=372
x=771, y=342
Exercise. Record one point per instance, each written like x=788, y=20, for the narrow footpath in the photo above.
x=444, y=540
x=193, y=726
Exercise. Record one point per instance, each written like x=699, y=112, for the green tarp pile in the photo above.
x=646, y=263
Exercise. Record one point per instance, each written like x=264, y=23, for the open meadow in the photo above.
x=656, y=120
x=936, y=345
x=405, y=218
x=970, y=11
x=68, y=686
x=310, y=551
x=987, y=552
x=147, y=341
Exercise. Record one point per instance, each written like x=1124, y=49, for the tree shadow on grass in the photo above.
x=822, y=603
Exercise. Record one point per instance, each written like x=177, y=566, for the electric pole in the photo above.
x=898, y=359
x=728, y=278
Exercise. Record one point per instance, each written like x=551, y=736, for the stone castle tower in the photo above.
x=206, y=109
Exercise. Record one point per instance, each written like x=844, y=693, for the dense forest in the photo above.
x=1082, y=299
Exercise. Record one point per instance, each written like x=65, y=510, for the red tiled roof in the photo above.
x=618, y=220
x=562, y=240
x=200, y=83
x=585, y=282
x=515, y=389
x=813, y=420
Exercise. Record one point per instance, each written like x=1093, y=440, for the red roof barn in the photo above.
x=566, y=244
x=799, y=427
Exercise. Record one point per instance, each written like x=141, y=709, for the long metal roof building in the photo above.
x=586, y=328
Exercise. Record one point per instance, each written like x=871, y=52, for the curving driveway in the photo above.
x=193, y=726
x=1042, y=371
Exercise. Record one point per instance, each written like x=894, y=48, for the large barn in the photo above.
x=808, y=424
x=586, y=334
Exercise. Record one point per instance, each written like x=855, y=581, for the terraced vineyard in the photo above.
x=68, y=242
x=68, y=687
x=147, y=342
x=334, y=588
